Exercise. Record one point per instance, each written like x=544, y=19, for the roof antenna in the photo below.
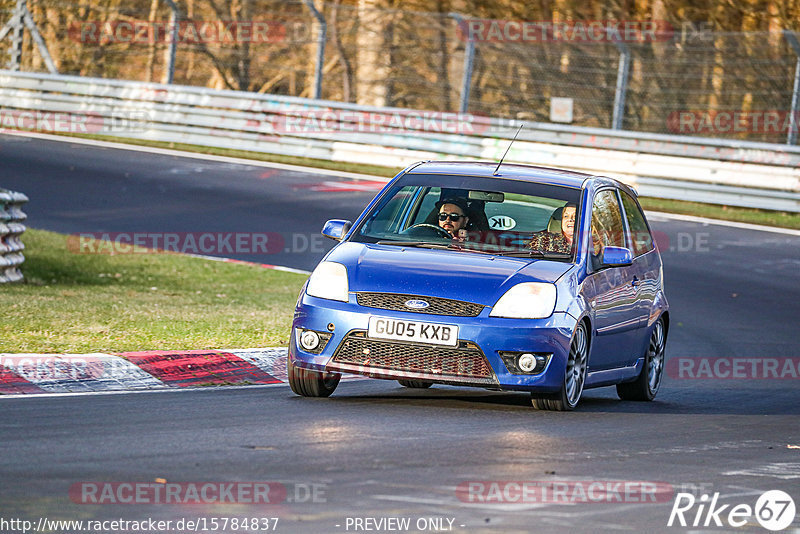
x=507, y=149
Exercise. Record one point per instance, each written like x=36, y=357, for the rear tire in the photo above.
x=415, y=384
x=567, y=398
x=646, y=385
x=309, y=383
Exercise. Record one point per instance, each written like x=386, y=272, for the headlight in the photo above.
x=529, y=300
x=328, y=281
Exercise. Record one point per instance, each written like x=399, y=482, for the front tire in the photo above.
x=646, y=385
x=308, y=383
x=567, y=398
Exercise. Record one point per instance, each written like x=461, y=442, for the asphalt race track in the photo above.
x=447, y=459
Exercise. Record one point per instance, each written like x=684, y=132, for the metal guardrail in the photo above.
x=759, y=175
x=11, y=229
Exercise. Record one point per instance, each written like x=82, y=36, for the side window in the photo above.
x=385, y=221
x=427, y=205
x=640, y=235
x=607, y=227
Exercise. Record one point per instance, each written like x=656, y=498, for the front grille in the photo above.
x=436, y=305
x=391, y=359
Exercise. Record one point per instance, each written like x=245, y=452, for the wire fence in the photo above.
x=660, y=77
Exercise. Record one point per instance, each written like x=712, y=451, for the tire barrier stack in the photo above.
x=11, y=228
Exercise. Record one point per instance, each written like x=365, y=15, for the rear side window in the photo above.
x=640, y=234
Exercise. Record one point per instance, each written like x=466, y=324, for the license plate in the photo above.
x=436, y=334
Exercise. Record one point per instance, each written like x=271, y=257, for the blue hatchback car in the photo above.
x=513, y=278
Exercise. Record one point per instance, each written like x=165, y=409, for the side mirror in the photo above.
x=336, y=229
x=616, y=257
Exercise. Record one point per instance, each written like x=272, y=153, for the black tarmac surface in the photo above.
x=374, y=450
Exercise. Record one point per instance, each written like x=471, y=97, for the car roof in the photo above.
x=513, y=171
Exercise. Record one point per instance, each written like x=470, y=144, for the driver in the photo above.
x=453, y=215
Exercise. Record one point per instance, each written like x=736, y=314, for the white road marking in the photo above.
x=263, y=265
x=783, y=471
x=443, y=503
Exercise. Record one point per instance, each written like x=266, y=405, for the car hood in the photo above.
x=473, y=277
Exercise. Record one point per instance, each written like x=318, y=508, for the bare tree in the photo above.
x=373, y=63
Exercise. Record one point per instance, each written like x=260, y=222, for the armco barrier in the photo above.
x=730, y=172
x=11, y=228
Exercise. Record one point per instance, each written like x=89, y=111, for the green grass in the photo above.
x=727, y=213
x=100, y=303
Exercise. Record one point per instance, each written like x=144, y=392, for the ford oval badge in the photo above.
x=416, y=304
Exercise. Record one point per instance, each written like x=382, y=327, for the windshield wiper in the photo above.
x=536, y=254
x=424, y=244
x=438, y=246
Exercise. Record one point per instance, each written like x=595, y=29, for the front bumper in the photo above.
x=481, y=339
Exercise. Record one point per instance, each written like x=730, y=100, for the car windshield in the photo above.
x=481, y=215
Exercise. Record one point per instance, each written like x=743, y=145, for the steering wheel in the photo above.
x=438, y=230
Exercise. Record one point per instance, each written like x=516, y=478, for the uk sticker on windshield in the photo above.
x=437, y=334
x=502, y=222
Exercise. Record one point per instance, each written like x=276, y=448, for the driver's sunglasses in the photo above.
x=453, y=216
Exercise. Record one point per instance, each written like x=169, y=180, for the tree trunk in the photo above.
x=242, y=12
x=347, y=68
x=443, y=63
x=311, y=53
x=151, y=53
x=373, y=63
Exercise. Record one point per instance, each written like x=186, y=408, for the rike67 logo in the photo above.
x=774, y=510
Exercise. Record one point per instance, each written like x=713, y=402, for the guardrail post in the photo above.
x=11, y=228
x=174, y=20
x=622, y=85
x=322, y=37
x=791, y=137
x=469, y=57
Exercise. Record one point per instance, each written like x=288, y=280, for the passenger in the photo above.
x=547, y=241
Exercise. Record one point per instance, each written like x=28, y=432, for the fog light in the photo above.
x=309, y=340
x=526, y=362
